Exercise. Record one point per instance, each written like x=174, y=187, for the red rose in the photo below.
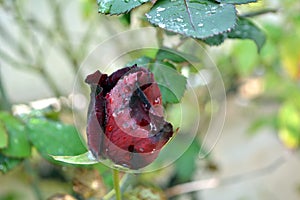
x=125, y=117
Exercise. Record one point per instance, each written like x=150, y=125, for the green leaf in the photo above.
x=18, y=144
x=195, y=18
x=172, y=84
x=244, y=29
x=125, y=19
x=142, y=61
x=3, y=136
x=82, y=159
x=186, y=164
x=116, y=7
x=216, y=40
x=7, y=163
x=175, y=56
x=54, y=138
x=236, y=1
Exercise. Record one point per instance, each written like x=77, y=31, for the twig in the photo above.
x=5, y=105
x=215, y=182
x=259, y=12
x=33, y=179
x=192, y=187
x=160, y=37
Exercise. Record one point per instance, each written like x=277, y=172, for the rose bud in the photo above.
x=125, y=117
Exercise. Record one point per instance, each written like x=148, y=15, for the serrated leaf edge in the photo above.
x=202, y=38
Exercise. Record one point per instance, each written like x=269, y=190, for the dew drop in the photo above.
x=148, y=16
x=146, y=106
x=156, y=101
x=161, y=25
x=126, y=1
x=104, y=6
x=125, y=165
x=110, y=128
x=200, y=24
x=160, y=9
x=153, y=127
x=179, y=19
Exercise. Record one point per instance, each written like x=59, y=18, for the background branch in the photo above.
x=216, y=182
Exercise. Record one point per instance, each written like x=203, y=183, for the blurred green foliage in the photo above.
x=277, y=68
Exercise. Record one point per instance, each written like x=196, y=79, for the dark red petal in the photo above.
x=140, y=107
x=95, y=135
x=97, y=78
x=154, y=97
x=136, y=130
x=95, y=126
x=125, y=117
x=125, y=149
x=115, y=77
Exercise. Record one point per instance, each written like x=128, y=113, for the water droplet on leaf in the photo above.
x=160, y=9
x=161, y=25
x=104, y=6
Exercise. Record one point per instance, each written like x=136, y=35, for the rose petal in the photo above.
x=125, y=118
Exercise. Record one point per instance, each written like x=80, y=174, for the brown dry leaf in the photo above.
x=88, y=183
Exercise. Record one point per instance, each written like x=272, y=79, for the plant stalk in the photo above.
x=117, y=184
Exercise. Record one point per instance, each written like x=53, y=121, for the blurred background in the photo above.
x=43, y=44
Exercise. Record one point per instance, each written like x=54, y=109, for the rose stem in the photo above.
x=117, y=184
x=112, y=192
